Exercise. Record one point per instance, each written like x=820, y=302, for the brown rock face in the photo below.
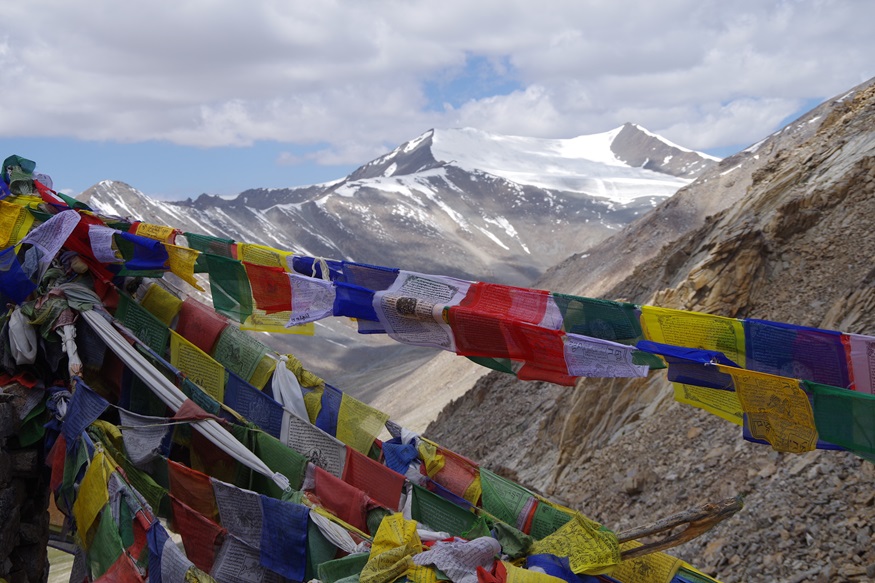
x=782, y=231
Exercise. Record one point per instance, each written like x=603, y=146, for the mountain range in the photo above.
x=458, y=202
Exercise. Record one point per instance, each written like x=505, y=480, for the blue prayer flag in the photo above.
x=149, y=254
x=354, y=301
x=284, y=537
x=254, y=405
x=84, y=408
x=14, y=283
x=327, y=418
x=796, y=352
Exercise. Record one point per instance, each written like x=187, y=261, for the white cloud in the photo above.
x=351, y=75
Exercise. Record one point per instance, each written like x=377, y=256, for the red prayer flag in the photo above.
x=193, y=489
x=346, y=502
x=271, y=288
x=507, y=302
x=379, y=482
x=122, y=571
x=200, y=535
x=200, y=325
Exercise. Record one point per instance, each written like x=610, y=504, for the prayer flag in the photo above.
x=411, y=309
x=311, y=299
x=157, y=232
x=229, y=285
x=161, y=303
x=198, y=366
x=106, y=547
x=862, y=358
x=777, y=409
x=374, y=479
x=263, y=255
x=391, y=556
x=192, y=488
x=200, y=325
x=200, y=535
x=143, y=253
x=254, y=405
x=843, y=417
x=344, y=500
x=238, y=351
x=271, y=288
x=440, y=514
x=797, y=352
x=181, y=261
x=694, y=330
x=589, y=546
x=240, y=512
x=84, y=408
x=146, y=327
x=372, y=277
x=284, y=538
x=358, y=424
x=91, y=498
x=593, y=357
x=15, y=286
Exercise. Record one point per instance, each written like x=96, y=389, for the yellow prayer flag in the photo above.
x=519, y=575
x=652, y=568
x=313, y=402
x=777, y=409
x=10, y=222
x=359, y=424
x=391, y=555
x=694, y=330
x=307, y=379
x=181, y=261
x=718, y=402
x=422, y=574
x=275, y=323
x=161, y=303
x=434, y=462
x=590, y=547
x=195, y=575
x=474, y=491
x=263, y=371
x=92, y=496
x=198, y=366
x=263, y=255
x=151, y=231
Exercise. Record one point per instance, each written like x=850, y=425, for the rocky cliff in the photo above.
x=781, y=231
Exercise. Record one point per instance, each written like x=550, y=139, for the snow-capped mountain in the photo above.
x=460, y=202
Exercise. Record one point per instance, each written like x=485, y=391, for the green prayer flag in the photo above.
x=547, y=520
x=439, y=513
x=229, y=284
x=319, y=550
x=334, y=571
x=107, y=545
x=150, y=330
x=211, y=245
x=514, y=542
x=844, y=417
x=503, y=499
x=239, y=352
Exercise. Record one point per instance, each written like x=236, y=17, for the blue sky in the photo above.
x=233, y=96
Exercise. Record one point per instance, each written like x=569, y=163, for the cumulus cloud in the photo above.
x=354, y=76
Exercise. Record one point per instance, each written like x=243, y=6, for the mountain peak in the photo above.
x=641, y=148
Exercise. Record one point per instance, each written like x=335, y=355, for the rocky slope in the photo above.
x=781, y=231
